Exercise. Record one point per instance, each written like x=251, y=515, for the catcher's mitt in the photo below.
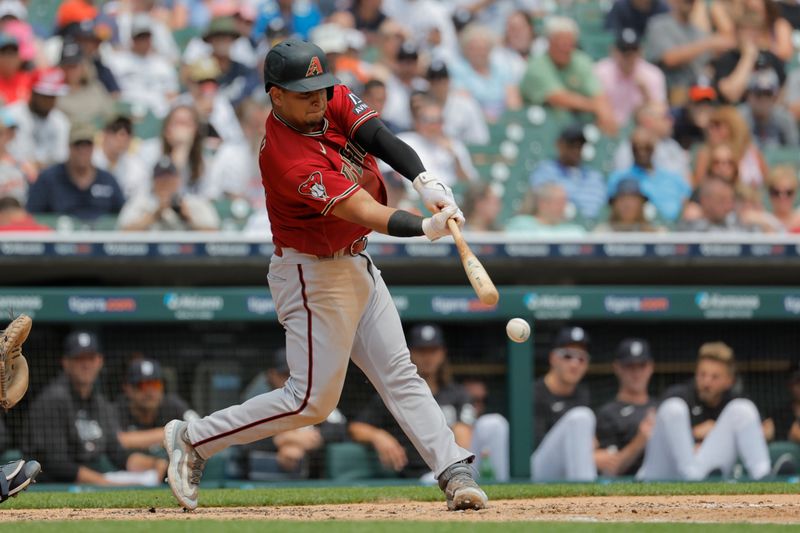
x=13, y=366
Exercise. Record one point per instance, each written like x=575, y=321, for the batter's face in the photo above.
x=712, y=379
x=569, y=363
x=304, y=111
x=428, y=360
x=634, y=377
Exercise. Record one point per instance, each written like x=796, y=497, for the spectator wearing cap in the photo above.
x=402, y=81
x=14, y=22
x=42, y=131
x=680, y=48
x=563, y=78
x=634, y=14
x=15, y=83
x=144, y=408
x=295, y=453
x=236, y=81
x=72, y=428
x=76, y=187
x=374, y=425
x=627, y=209
x=441, y=154
x=625, y=423
x=463, y=117
x=298, y=17
x=13, y=217
x=734, y=69
x=704, y=425
x=585, y=186
x=74, y=11
x=544, y=213
x=691, y=120
x=485, y=76
x=783, y=423
x=89, y=35
x=369, y=16
x=627, y=79
x=717, y=199
x=203, y=95
x=563, y=424
x=667, y=190
x=147, y=79
x=86, y=99
x=770, y=123
x=244, y=50
x=656, y=118
x=166, y=207
x=114, y=153
x=163, y=41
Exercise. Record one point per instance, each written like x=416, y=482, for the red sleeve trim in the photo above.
x=358, y=123
x=336, y=199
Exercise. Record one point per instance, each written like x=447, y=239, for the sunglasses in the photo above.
x=570, y=354
x=782, y=193
x=150, y=385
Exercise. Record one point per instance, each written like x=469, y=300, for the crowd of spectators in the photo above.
x=99, y=107
x=82, y=435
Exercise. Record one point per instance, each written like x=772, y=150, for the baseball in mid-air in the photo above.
x=518, y=330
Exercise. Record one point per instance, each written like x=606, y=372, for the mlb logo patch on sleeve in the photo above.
x=359, y=106
x=314, y=187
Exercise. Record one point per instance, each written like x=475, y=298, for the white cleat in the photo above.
x=185, y=465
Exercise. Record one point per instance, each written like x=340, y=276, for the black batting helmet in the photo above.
x=298, y=66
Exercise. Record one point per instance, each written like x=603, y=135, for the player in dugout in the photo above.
x=703, y=425
x=324, y=195
x=625, y=423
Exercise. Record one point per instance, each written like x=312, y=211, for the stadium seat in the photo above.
x=787, y=453
x=346, y=461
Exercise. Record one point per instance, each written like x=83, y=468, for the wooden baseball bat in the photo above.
x=480, y=280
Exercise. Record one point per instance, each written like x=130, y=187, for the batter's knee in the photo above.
x=672, y=408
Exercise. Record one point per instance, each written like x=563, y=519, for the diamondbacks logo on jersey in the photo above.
x=314, y=187
x=359, y=106
x=314, y=67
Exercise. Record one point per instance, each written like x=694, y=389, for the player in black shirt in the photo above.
x=563, y=424
x=144, y=409
x=374, y=425
x=73, y=428
x=784, y=423
x=625, y=423
x=702, y=426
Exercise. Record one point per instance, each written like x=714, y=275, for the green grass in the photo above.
x=266, y=526
x=335, y=495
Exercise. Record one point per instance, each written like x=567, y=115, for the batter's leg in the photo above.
x=319, y=304
x=737, y=433
x=490, y=433
x=670, y=450
x=567, y=451
x=380, y=351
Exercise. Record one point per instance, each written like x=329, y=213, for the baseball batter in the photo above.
x=324, y=194
x=702, y=426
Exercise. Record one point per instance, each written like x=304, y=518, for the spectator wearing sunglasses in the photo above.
x=782, y=187
x=564, y=425
x=144, y=408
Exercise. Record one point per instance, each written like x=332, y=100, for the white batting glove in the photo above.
x=435, y=194
x=435, y=227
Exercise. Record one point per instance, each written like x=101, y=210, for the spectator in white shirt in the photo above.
x=404, y=79
x=147, y=79
x=463, y=117
x=113, y=153
x=443, y=156
x=42, y=133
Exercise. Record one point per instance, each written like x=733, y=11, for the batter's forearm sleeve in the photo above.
x=376, y=139
x=404, y=224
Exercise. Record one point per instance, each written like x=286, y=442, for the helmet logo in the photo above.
x=314, y=67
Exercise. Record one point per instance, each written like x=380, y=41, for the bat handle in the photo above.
x=456, y=232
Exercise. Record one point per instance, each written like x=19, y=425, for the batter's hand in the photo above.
x=435, y=226
x=435, y=194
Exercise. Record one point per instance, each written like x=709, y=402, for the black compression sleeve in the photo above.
x=376, y=139
x=404, y=224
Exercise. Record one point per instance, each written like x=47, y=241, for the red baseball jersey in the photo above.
x=306, y=174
